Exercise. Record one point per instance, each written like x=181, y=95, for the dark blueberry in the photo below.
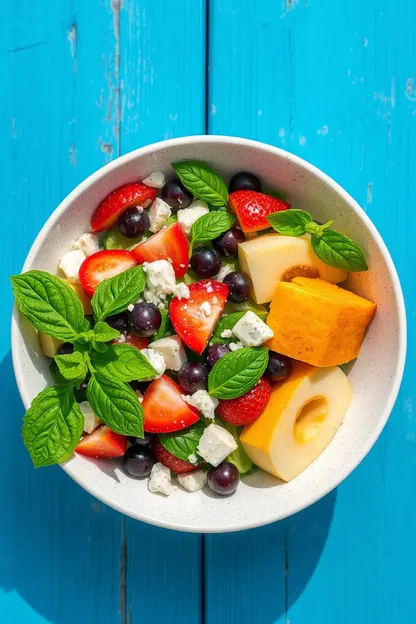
x=279, y=367
x=176, y=195
x=80, y=393
x=244, y=181
x=66, y=348
x=227, y=243
x=224, y=479
x=120, y=322
x=146, y=441
x=145, y=318
x=138, y=461
x=206, y=262
x=239, y=285
x=134, y=222
x=193, y=376
x=216, y=352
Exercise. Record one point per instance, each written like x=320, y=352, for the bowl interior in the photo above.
x=260, y=499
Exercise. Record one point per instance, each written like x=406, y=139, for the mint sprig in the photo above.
x=209, y=226
x=72, y=367
x=237, y=372
x=202, y=181
x=115, y=294
x=333, y=248
x=123, y=362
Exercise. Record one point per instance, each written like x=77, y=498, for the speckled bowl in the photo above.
x=260, y=499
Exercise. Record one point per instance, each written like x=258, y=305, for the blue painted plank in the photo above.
x=162, y=73
x=334, y=84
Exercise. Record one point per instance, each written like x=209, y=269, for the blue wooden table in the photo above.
x=85, y=81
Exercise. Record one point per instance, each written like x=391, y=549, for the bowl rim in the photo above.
x=265, y=147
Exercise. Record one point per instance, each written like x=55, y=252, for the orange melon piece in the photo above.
x=317, y=322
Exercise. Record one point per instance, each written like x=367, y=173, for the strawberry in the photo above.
x=164, y=408
x=127, y=196
x=102, y=265
x=168, y=244
x=175, y=464
x=102, y=444
x=252, y=208
x=248, y=407
x=190, y=322
x=140, y=342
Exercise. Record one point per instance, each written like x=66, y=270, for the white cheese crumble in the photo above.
x=130, y=308
x=88, y=243
x=91, y=421
x=172, y=351
x=215, y=444
x=234, y=346
x=206, y=308
x=193, y=481
x=193, y=459
x=251, y=330
x=188, y=216
x=204, y=403
x=160, y=277
x=159, y=213
x=156, y=179
x=226, y=333
x=150, y=297
x=182, y=291
x=156, y=360
x=160, y=480
x=70, y=264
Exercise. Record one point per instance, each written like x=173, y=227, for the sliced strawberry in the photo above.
x=127, y=196
x=252, y=208
x=164, y=408
x=191, y=322
x=175, y=464
x=168, y=244
x=102, y=444
x=248, y=407
x=140, y=342
x=102, y=265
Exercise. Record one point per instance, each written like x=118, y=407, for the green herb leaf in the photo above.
x=161, y=332
x=261, y=310
x=72, y=366
x=57, y=377
x=104, y=333
x=116, y=404
x=115, y=240
x=183, y=443
x=202, y=181
x=210, y=225
x=115, y=294
x=339, y=251
x=49, y=304
x=239, y=457
x=52, y=426
x=290, y=222
x=237, y=372
x=123, y=362
x=226, y=322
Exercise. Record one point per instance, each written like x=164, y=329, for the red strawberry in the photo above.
x=127, y=196
x=164, y=408
x=168, y=244
x=102, y=265
x=102, y=444
x=170, y=461
x=191, y=323
x=248, y=407
x=252, y=208
x=140, y=342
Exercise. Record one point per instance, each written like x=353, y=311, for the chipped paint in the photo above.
x=410, y=91
x=369, y=192
x=73, y=38
x=213, y=109
x=365, y=42
x=106, y=148
x=14, y=134
x=302, y=140
x=323, y=130
x=72, y=155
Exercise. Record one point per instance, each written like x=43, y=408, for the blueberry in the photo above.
x=244, y=181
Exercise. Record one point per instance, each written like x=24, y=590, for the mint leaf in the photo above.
x=226, y=322
x=339, y=251
x=123, y=362
x=52, y=426
x=115, y=294
x=164, y=324
x=116, y=404
x=72, y=367
x=210, y=225
x=115, y=240
x=239, y=457
x=104, y=333
x=237, y=372
x=49, y=304
x=183, y=443
x=57, y=377
x=290, y=222
x=202, y=181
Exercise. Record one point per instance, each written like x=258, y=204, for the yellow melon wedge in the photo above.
x=300, y=420
x=48, y=344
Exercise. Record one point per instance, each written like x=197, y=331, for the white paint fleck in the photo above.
x=369, y=192
x=365, y=42
x=302, y=140
x=410, y=91
x=408, y=407
x=259, y=113
x=323, y=130
x=213, y=109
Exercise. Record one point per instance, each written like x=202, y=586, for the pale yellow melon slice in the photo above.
x=48, y=345
x=272, y=258
x=299, y=422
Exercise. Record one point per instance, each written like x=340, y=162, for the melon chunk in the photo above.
x=274, y=257
x=85, y=300
x=300, y=420
x=48, y=344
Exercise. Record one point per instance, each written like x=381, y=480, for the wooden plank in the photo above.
x=162, y=73
x=336, y=86
x=60, y=548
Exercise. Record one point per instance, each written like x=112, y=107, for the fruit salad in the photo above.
x=196, y=333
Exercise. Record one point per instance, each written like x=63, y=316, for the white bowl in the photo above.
x=375, y=376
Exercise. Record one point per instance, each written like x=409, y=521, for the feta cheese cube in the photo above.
x=160, y=480
x=91, y=421
x=88, y=243
x=215, y=444
x=251, y=330
x=206, y=308
x=159, y=213
x=202, y=402
x=193, y=481
x=234, y=346
x=172, y=351
x=156, y=179
x=188, y=216
x=130, y=307
x=160, y=277
x=70, y=264
x=193, y=459
x=182, y=291
x=226, y=333
x=156, y=360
